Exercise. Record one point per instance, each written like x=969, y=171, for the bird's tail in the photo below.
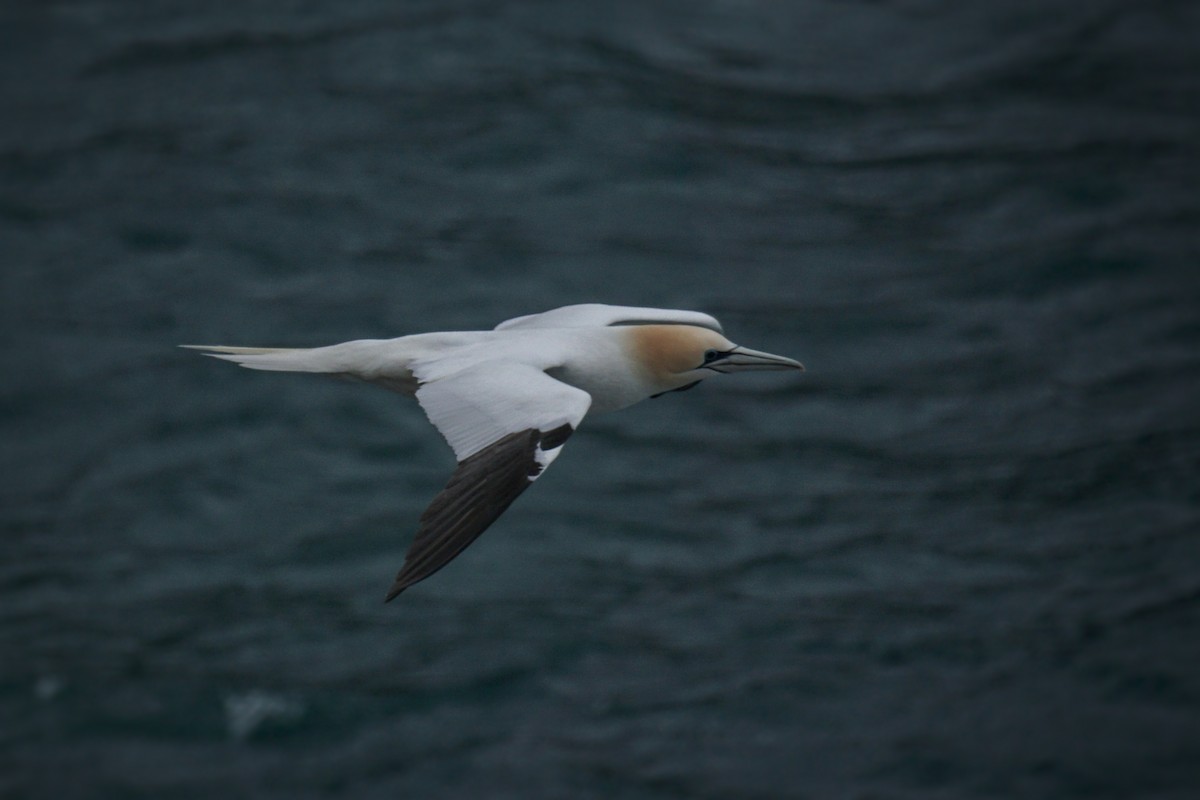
x=378, y=361
x=276, y=359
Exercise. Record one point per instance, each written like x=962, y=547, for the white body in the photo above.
x=507, y=399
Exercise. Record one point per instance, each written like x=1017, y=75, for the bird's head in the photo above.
x=680, y=355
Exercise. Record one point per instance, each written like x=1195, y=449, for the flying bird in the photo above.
x=507, y=400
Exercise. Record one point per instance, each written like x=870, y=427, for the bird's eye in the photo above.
x=711, y=355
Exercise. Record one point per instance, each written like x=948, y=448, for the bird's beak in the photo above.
x=743, y=359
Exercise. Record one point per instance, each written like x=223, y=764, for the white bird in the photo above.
x=506, y=400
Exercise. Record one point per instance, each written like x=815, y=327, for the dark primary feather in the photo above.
x=481, y=488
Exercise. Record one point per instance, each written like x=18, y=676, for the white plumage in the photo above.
x=507, y=399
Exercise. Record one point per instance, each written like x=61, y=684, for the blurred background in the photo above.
x=958, y=557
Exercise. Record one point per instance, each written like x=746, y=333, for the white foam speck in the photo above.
x=247, y=713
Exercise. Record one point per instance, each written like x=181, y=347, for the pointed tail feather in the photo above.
x=373, y=360
x=277, y=359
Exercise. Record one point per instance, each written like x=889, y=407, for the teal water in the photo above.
x=956, y=558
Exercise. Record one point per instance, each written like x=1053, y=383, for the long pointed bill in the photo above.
x=743, y=359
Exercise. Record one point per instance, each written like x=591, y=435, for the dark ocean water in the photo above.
x=957, y=558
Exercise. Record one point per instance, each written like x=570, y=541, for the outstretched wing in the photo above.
x=598, y=315
x=506, y=423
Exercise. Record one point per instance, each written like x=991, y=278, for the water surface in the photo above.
x=956, y=558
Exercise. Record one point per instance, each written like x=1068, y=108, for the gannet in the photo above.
x=507, y=400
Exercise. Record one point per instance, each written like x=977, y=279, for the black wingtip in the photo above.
x=483, y=485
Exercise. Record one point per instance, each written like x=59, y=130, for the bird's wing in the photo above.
x=598, y=315
x=506, y=423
